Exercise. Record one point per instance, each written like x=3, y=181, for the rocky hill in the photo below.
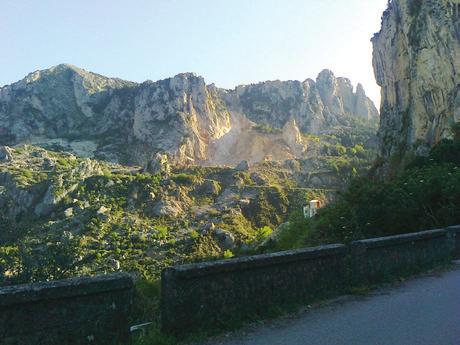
x=192, y=122
x=99, y=174
x=417, y=64
x=63, y=215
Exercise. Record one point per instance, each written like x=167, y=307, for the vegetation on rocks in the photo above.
x=64, y=216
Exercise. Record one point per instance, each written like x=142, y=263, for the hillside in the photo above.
x=63, y=215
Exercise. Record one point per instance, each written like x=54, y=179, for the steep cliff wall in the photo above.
x=417, y=63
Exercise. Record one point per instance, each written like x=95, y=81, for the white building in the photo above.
x=310, y=210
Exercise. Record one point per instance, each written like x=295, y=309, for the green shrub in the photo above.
x=194, y=234
x=266, y=129
x=185, y=179
x=263, y=233
x=163, y=231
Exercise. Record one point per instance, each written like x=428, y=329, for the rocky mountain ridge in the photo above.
x=192, y=122
x=416, y=60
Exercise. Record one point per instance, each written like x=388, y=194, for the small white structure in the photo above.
x=310, y=210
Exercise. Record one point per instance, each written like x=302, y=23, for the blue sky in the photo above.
x=227, y=42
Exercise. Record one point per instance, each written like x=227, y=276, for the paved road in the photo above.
x=422, y=311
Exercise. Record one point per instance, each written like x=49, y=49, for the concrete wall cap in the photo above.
x=454, y=228
x=254, y=261
x=81, y=286
x=399, y=239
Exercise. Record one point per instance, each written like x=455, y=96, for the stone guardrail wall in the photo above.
x=90, y=310
x=379, y=259
x=206, y=295
x=455, y=230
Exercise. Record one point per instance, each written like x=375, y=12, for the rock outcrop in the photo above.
x=5, y=153
x=313, y=105
x=182, y=117
x=417, y=63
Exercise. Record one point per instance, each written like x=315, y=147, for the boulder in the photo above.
x=168, y=208
x=226, y=239
x=208, y=187
x=68, y=212
x=6, y=154
x=102, y=210
x=158, y=165
x=114, y=264
x=49, y=164
x=242, y=166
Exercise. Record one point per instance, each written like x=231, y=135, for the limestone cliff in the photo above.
x=417, y=63
x=314, y=105
x=68, y=108
x=180, y=116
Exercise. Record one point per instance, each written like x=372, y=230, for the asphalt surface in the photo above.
x=421, y=311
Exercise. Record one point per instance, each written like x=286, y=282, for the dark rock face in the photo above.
x=74, y=311
x=417, y=63
x=116, y=120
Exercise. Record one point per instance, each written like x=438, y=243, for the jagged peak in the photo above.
x=308, y=81
x=187, y=75
x=345, y=81
x=326, y=74
x=64, y=69
x=360, y=89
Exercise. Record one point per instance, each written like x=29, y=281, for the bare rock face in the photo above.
x=417, y=63
x=363, y=107
x=182, y=117
x=293, y=138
